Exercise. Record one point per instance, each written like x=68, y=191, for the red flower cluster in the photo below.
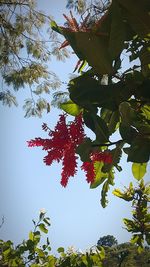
x=88, y=167
x=62, y=145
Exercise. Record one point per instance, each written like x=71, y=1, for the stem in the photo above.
x=109, y=144
x=14, y=3
x=2, y=222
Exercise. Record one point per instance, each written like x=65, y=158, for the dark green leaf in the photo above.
x=84, y=149
x=46, y=221
x=104, y=192
x=83, y=43
x=148, y=239
x=117, y=31
x=127, y=113
x=139, y=151
x=85, y=91
x=128, y=133
x=60, y=249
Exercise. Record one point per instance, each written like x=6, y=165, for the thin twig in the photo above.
x=109, y=144
x=2, y=222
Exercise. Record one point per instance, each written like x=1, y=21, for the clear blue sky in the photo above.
x=27, y=185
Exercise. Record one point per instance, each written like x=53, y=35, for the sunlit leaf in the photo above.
x=31, y=235
x=71, y=108
x=99, y=175
x=139, y=170
x=43, y=228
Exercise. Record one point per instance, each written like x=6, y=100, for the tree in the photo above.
x=27, y=44
x=31, y=253
x=125, y=254
x=108, y=99
x=108, y=240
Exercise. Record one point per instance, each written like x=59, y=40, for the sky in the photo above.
x=28, y=185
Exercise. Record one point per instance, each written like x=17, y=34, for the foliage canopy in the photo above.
x=105, y=96
x=111, y=99
x=33, y=253
x=27, y=44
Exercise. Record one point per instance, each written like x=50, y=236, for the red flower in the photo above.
x=88, y=167
x=62, y=145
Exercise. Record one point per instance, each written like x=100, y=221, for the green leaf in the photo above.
x=40, y=252
x=139, y=151
x=83, y=42
x=114, y=122
x=116, y=156
x=85, y=91
x=55, y=27
x=147, y=238
x=84, y=63
x=128, y=133
x=84, y=149
x=104, y=192
x=99, y=175
x=101, y=129
x=118, y=193
x=7, y=252
x=139, y=170
x=30, y=244
x=128, y=195
x=146, y=111
x=88, y=120
x=101, y=252
x=31, y=235
x=111, y=118
x=117, y=31
x=145, y=60
x=71, y=108
x=46, y=220
x=97, y=125
x=43, y=228
x=127, y=113
x=60, y=250
x=137, y=15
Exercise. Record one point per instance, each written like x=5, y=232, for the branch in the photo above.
x=109, y=144
x=13, y=3
x=2, y=222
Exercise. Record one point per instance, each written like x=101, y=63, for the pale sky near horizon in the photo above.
x=27, y=184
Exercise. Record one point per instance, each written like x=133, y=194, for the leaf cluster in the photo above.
x=27, y=45
x=115, y=100
x=34, y=254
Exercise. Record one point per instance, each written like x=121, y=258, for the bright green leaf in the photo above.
x=118, y=193
x=43, y=228
x=99, y=175
x=31, y=235
x=139, y=170
x=71, y=108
